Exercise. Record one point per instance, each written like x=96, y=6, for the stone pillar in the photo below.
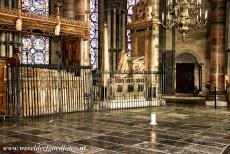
x=119, y=29
x=11, y=45
x=15, y=4
x=217, y=53
x=2, y=46
x=80, y=9
x=2, y=4
x=114, y=39
x=82, y=53
x=147, y=48
x=69, y=8
x=55, y=47
x=196, y=75
x=200, y=77
x=10, y=4
x=153, y=64
x=134, y=42
x=123, y=32
x=52, y=7
x=17, y=43
x=86, y=42
x=19, y=40
x=100, y=33
x=109, y=27
x=8, y=44
x=105, y=66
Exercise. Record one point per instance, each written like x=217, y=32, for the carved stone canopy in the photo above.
x=142, y=16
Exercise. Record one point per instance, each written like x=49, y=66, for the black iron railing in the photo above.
x=120, y=90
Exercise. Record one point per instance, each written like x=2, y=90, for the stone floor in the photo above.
x=182, y=128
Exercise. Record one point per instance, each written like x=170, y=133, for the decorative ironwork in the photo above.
x=185, y=16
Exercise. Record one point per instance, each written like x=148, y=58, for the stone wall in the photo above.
x=197, y=44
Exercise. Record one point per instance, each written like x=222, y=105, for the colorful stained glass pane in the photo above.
x=130, y=4
x=40, y=7
x=94, y=32
x=35, y=50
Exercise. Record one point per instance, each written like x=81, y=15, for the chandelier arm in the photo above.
x=185, y=15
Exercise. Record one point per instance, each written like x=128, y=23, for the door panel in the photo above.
x=184, y=78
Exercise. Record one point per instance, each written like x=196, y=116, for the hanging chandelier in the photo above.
x=185, y=16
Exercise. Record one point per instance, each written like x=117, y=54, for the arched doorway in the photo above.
x=187, y=75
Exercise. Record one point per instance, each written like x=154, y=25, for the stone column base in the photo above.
x=218, y=103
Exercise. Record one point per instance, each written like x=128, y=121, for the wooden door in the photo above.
x=3, y=86
x=185, y=78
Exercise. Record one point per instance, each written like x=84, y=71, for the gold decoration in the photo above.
x=185, y=16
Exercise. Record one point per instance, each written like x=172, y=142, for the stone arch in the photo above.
x=187, y=71
x=188, y=53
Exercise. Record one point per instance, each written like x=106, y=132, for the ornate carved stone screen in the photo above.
x=35, y=49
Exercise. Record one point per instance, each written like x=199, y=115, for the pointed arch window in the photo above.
x=35, y=49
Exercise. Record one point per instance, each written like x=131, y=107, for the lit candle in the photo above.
x=163, y=16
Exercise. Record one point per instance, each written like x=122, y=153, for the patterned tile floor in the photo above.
x=182, y=128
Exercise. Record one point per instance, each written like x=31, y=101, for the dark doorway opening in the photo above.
x=185, y=78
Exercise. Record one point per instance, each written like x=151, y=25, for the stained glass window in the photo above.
x=94, y=32
x=40, y=7
x=35, y=48
x=130, y=4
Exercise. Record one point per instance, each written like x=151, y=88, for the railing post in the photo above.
x=59, y=54
x=215, y=96
x=18, y=88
